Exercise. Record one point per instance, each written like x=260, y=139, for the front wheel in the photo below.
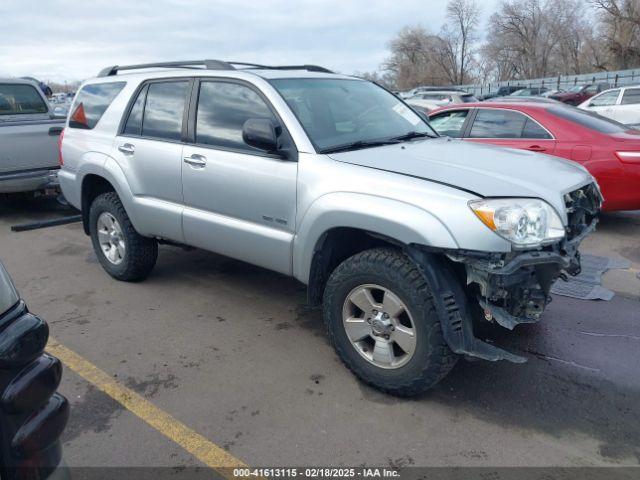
x=381, y=319
x=122, y=251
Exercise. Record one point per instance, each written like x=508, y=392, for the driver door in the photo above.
x=239, y=201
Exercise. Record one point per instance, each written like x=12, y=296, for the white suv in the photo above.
x=404, y=236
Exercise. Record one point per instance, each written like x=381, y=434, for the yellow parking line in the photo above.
x=207, y=452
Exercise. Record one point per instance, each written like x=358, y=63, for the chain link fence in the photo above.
x=561, y=82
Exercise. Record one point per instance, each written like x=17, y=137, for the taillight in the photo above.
x=628, y=157
x=60, y=159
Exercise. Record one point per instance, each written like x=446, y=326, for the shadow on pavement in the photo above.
x=23, y=208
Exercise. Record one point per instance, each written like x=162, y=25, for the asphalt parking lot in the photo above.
x=232, y=352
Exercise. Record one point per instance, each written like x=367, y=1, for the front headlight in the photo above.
x=525, y=222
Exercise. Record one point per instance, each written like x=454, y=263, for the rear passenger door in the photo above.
x=239, y=201
x=510, y=128
x=149, y=151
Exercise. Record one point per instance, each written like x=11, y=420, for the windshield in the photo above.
x=336, y=112
x=576, y=89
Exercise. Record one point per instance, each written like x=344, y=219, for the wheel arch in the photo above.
x=93, y=185
x=340, y=225
x=107, y=178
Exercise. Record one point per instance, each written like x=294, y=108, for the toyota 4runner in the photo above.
x=406, y=238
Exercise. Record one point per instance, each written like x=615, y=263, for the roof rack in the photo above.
x=208, y=65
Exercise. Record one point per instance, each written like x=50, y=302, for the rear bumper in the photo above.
x=28, y=181
x=70, y=187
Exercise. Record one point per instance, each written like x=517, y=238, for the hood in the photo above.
x=485, y=170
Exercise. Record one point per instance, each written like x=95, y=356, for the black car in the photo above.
x=32, y=414
x=501, y=92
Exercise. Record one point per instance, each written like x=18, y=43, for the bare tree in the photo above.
x=620, y=30
x=525, y=39
x=459, y=36
x=411, y=62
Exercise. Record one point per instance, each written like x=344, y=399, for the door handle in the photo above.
x=196, y=161
x=127, y=149
x=536, y=148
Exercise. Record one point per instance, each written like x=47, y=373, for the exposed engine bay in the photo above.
x=510, y=288
x=514, y=288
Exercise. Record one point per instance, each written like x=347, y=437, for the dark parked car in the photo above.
x=32, y=414
x=530, y=92
x=501, y=92
x=579, y=93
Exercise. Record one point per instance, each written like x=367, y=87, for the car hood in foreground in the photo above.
x=485, y=170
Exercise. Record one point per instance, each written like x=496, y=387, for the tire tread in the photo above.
x=385, y=262
x=142, y=252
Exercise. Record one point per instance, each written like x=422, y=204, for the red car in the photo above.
x=609, y=150
x=579, y=93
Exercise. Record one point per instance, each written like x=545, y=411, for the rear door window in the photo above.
x=91, y=103
x=20, y=99
x=134, y=122
x=164, y=110
x=490, y=123
x=631, y=96
x=449, y=123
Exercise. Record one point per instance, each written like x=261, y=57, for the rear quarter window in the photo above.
x=20, y=99
x=91, y=103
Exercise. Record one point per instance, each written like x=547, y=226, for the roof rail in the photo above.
x=309, y=68
x=208, y=65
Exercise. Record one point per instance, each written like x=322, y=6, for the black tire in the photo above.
x=432, y=358
x=141, y=252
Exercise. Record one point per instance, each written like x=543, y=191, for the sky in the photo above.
x=67, y=40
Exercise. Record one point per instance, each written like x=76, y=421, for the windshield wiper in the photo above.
x=412, y=135
x=359, y=145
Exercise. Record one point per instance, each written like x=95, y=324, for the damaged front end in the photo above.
x=510, y=288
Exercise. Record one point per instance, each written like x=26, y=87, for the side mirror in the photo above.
x=260, y=133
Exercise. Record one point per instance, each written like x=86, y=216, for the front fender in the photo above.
x=398, y=220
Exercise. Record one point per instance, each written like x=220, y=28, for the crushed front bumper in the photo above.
x=515, y=288
x=510, y=288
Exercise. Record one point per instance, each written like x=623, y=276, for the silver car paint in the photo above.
x=241, y=205
x=417, y=192
x=487, y=170
x=28, y=154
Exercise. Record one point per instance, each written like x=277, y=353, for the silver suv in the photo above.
x=406, y=238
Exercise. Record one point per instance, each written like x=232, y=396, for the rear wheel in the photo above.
x=123, y=253
x=381, y=319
